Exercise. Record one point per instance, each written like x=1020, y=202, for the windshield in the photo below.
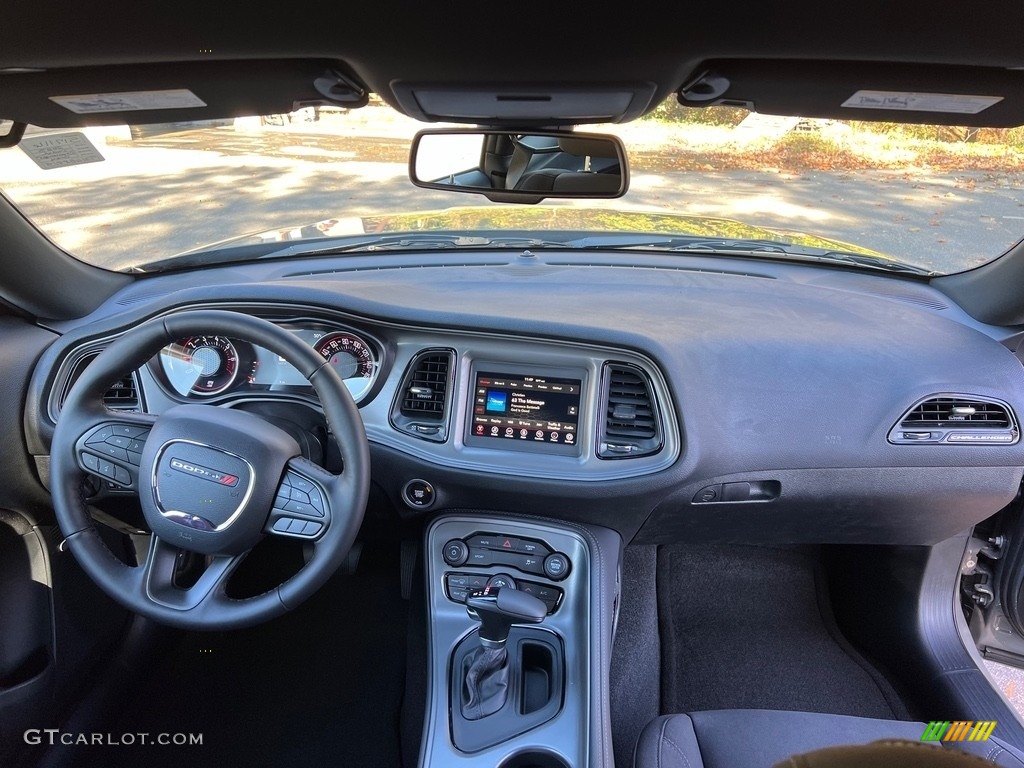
x=942, y=199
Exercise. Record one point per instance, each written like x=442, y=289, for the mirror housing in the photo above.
x=509, y=166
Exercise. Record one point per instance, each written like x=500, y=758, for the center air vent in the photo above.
x=630, y=423
x=421, y=406
x=957, y=419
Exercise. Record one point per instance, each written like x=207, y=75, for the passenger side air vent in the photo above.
x=957, y=419
x=423, y=401
x=630, y=422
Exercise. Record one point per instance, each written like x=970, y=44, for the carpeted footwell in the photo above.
x=320, y=686
x=747, y=627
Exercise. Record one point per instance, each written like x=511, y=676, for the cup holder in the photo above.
x=535, y=759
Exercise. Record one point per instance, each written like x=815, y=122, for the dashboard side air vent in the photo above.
x=122, y=395
x=954, y=418
x=630, y=424
x=423, y=401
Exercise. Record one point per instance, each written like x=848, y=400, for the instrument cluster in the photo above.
x=209, y=366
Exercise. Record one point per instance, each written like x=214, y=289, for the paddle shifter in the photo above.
x=486, y=671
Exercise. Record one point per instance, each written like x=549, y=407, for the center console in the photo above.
x=521, y=615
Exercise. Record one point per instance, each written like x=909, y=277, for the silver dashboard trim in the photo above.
x=405, y=341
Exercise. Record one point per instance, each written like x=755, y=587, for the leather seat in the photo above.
x=754, y=738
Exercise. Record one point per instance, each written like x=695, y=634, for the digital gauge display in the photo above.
x=204, y=366
x=201, y=365
x=348, y=354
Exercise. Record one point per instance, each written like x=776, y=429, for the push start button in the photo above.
x=419, y=494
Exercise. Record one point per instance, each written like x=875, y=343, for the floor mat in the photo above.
x=743, y=628
x=319, y=686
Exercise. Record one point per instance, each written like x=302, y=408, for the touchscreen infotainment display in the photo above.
x=526, y=409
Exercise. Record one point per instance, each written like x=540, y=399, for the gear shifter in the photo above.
x=499, y=608
x=486, y=671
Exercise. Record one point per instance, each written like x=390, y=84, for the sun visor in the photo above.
x=174, y=92
x=906, y=93
x=524, y=104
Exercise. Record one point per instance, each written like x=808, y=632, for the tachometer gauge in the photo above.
x=200, y=365
x=348, y=354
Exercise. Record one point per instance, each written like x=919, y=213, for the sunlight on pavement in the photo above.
x=1010, y=681
x=772, y=204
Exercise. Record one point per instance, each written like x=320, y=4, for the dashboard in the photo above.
x=718, y=399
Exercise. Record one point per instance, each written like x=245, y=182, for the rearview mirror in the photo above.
x=513, y=167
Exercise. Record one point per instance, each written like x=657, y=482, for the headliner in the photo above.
x=557, y=43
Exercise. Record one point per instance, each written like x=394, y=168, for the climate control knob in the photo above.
x=502, y=580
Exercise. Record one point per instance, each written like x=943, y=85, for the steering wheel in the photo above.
x=210, y=480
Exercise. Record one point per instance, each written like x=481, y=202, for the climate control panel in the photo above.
x=527, y=555
x=531, y=557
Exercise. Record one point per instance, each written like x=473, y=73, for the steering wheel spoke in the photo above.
x=169, y=577
x=302, y=506
x=111, y=448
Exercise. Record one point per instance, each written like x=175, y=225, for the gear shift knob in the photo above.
x=499, y=608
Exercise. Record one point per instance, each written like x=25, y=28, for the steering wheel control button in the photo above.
x=300, y=496
x=302, y=508
x=111, y=450
x=299, y=483
x=91, y=462
x=418, y=494
x=99, y=436
x=455, y=552
x=291, y=526
x=502, y=580
x=119, y=440
x=556, y=566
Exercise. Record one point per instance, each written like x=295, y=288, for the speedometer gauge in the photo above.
x=348, y=354
x=201, y=365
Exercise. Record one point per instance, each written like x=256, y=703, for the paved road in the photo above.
x=171, y=194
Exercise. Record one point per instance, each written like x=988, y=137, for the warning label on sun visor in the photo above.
x=131, y=101
x=60, y=150
x=921, y=102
